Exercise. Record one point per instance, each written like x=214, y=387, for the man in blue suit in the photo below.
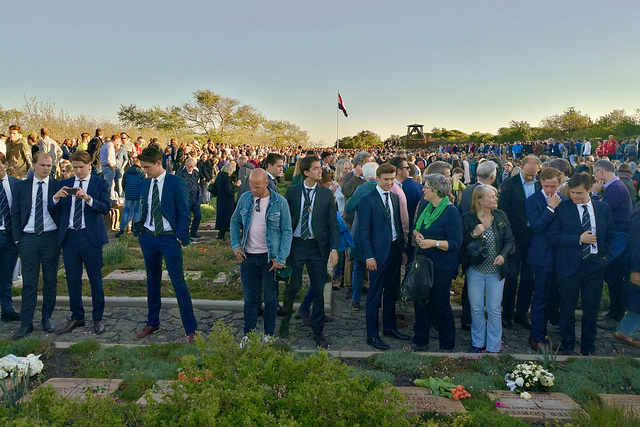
x=82, y=202
x=383, y=247
x=540, y=212
x=8, y=249
x=583, y=234
x=162, y=231
x=34, y=224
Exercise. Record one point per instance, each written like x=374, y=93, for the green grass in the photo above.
x=114, y=253
x=24, y=346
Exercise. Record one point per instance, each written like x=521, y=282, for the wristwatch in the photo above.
x=437, y=243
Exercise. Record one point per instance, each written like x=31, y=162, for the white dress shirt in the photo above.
x=592, y=217
x=147, y=223
x=7, y=191
x=74, y=200
x=381, y=192
x=49, y=225
x=312, y=197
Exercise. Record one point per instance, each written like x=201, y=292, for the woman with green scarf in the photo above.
x=438, y=235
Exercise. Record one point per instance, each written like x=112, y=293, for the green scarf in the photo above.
x=430, y=214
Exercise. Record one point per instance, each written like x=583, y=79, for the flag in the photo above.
x=341, y=105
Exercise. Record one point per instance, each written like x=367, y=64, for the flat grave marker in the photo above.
x=541, y=406
x=160, y=390
x=141, y=275
x=76, y=388
x=419, y=400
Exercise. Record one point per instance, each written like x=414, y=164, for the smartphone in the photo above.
x=72, y=191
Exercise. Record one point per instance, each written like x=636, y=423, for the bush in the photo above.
x=114, y=253
x=401, y=362
x=84, y=347
x=597, y=414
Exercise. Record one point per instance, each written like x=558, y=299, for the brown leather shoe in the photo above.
x=536, y=346
x=70, y=326
x=98, y=327
x=146, y=331
x=621, y=336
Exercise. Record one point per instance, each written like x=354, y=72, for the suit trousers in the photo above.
x=36, y=251
x=154, y=248
x=383, y=288
x=587, y=280
x=307, y=252
x=542, y=283
x=518, y=267
x=76, y=252
x=8, y=258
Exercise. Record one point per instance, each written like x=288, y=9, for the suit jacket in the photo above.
x=98, y=190
x=12, y=185
x=21, y=205
x=174, y=205
x=413, y=192
x=324, y=222
x=375, y=229
x=565, y=231
x=540, y=253
x=512, y=202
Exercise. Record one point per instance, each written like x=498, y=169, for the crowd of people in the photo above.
x=530, y=226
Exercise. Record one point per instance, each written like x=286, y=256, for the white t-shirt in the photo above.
x=257, y=233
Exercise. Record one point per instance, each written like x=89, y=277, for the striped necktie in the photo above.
x=586, y=226
x=77, y=211
x=5, y=216
x=39, y=220
x=306, y=210
x=155, y=208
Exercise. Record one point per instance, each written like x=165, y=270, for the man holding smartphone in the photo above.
x=82, y=201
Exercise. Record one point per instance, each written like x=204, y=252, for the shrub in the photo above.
x=597, y=414
x=398, y=361
x=114, y=253
x=84, y=347
x=379, y=377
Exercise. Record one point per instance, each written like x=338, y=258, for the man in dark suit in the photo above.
x=8, y=249
x=315, y=240
x=274, y=164
x=515, y=192
x=162, y=231
x=540, y=212
x=383, y=247
x=34, y=223
x=583, y=234
x=412, y=190
x=82, y=235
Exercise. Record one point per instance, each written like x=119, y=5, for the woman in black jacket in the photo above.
x=224, y=199
x=488, y=228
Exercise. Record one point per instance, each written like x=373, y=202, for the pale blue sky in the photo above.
x=467, y=65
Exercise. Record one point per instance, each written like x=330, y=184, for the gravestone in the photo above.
x=541, y=406
x=77, y=388
x=419, y=400
x=141, y=275
x=162, y=388
x=629, y=401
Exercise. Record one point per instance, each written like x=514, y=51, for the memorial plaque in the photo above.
x=541, y=406
x=162, y=388
x=77, y=388
x=141, y=275
x=419, y=400
x=629, y=401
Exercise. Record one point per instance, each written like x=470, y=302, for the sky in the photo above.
x=466, y=65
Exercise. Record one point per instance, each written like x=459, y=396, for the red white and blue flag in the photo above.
x=341, y=105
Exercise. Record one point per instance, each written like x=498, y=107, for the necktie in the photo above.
x=306, y=210
x=39, y=223
x=77, y=212
x=387, y=208
x=586, y=226
x=155, y=208
x=5, y=217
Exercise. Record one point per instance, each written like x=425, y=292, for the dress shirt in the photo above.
x=108, y=154
x=592, y=215
x=381, y=192
x=49, y=224
x=7, y=191
x=312, y=197
x=74, y=200
x=611, y=181
x=530, y=188
x=548, y=207
x=147, y=222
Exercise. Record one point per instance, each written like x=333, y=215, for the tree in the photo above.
x=569, y=122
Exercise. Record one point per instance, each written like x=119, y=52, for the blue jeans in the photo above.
x=108, y=176
x=130, y=211
x=357, y=279
x=630, y=323
x=254, y=272
x=485, y=333
x=154, y=248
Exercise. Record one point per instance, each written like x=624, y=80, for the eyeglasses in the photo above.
x=258, y=204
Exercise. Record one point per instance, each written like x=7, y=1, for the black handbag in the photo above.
x=477, y=251
x=418, y=280
x=213, y=189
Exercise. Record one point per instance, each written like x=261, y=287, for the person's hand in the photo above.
x=553, y=201
x=333, y=258
x=478, y=230
x=426, y=243
x=635, y=278
x=81, y=194
x=405, y=259
x=239, y=255
x=499, y=260
x=588, y=238
x=61, y=193
x=274, y=264
x=598, y=186
x=372, y=265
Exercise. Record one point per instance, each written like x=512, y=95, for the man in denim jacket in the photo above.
x=261, y=239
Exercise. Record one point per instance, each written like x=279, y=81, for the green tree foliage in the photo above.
x=569, y=122
x=364, y=139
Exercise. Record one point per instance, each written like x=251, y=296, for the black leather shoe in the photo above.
x=473, y=349
x=321, y=341
x=98, y=327
x=395, y=333
x=23, y=331
x=13, y=316
x=281, y=312
x=70, y=326
x=506, y=323
x=378, y=343
x=47, y=326
x=522, y=321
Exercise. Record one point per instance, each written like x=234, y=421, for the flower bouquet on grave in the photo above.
x=527, y=377
x=443, y=387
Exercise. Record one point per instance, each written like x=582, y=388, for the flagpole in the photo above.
x=337, y=134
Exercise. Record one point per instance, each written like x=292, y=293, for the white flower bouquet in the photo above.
x=10, y=362
x=529, y=376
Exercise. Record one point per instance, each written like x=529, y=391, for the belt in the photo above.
x=156, y=233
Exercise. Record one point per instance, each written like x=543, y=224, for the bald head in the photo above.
x=259, y=183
